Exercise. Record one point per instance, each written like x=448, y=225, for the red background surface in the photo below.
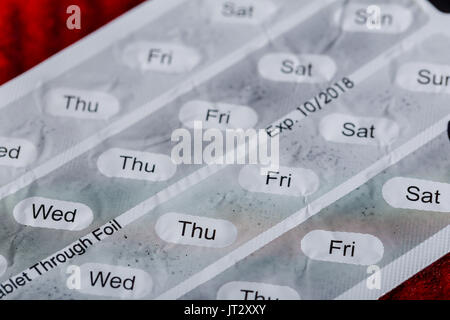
x=33, y=30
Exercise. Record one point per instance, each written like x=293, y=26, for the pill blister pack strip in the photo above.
x=340, y=169
x=158, y=121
